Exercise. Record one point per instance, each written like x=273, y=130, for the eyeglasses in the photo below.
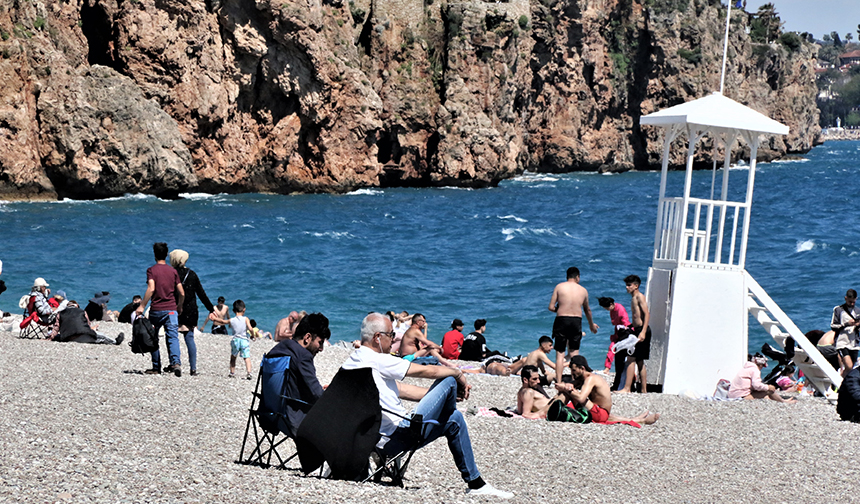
x=389, y=334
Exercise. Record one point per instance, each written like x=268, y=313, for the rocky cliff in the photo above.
x=106, y=97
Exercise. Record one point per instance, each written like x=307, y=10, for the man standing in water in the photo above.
x=569, y=301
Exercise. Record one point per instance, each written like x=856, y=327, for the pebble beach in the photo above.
x=81, y=423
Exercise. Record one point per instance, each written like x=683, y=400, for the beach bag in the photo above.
x=722, y=390
x=143, y=336
x=558, y=412
x=24, y=301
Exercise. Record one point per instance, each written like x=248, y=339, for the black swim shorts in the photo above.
x=642, y=351
x=567, y=331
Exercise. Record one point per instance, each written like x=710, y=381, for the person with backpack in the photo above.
x=164, y=289
x=73, y=325
x=188, y=317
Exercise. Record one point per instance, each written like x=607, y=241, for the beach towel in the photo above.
x=628, y=344
x=494, y=413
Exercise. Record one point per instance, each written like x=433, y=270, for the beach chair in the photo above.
x=342, y=430
x=268, y=427
x=34, y=327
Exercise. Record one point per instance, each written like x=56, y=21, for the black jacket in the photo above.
x=193, y=290
x=303, y=383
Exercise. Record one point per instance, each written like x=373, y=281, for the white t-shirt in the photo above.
x=387, y=371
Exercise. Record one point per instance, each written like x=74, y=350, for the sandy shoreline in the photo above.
x=78, y=424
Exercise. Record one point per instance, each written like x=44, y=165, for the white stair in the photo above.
x=807, y=358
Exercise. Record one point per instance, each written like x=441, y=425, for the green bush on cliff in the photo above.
x=694, y=56
x=620, y=64
x=39, y=23
x=524, y=22
x=666, y=6
x=791, y=41
x=455, y=21
x=357, y=13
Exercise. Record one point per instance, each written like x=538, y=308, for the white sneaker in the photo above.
x=491, y=491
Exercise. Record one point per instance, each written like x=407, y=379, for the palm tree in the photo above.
x=769, y=18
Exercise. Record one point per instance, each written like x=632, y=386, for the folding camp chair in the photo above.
x=342, y=429
x=267, y=416
x=33, y=327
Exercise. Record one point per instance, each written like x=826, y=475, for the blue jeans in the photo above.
x=440, y=404
x=170, y=321
x=192, y=349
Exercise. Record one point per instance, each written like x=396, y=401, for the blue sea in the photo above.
x=448, y=253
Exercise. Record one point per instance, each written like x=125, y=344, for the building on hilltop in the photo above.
x=850, y=58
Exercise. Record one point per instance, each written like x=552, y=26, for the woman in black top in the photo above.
x=188, y=317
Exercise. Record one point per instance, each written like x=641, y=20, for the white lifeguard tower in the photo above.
x=698, y=291
x=699, y=294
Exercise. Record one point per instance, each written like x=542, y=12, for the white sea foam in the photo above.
x=453, y=188
x=786, y=161
x=365, y=192
x=804, y=246
x=514, y=217
x=595, y=260
x=198, y=196
x=510, y=233
x=330, y=234
x=535, y=177
x=248, y=226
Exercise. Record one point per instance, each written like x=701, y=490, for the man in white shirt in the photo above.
x=439, y=402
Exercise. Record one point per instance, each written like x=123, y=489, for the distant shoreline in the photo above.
x=840, y=134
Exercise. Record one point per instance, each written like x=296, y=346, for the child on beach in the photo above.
x=240, y=345
x=618, y=316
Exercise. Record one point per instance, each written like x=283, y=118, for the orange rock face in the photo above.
x=101, y=98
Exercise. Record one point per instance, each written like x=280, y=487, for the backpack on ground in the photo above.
x=558, y=412
x=143, y=336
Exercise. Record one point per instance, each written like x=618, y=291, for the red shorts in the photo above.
x=599, y=415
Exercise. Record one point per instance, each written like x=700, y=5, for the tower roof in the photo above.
x=716, y=111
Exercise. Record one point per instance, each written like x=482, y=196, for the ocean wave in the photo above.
x=365, y=192
x=535, y=177
x=247, y=226
x=454, y=188
x=806, y=245
x=198, y=196
x=787, y=161
x=514, y=217
x=510, y=233
x=330, y=234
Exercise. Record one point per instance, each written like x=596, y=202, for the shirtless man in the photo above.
x=640, y=319
x=538, y=359
x=284, y=329
x=222, y=311
x=415, y=342
x=569, y=301
x=532, y=400
x=594, y=394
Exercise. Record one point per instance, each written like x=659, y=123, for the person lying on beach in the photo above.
x=532, y=399
x=539, y=359
x=73, y=325
x=498, y=365
x=747, y=383
x=592, y=392
x=415, y=344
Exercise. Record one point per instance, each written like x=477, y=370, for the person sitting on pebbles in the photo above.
x=747, y=383
x=592, y=393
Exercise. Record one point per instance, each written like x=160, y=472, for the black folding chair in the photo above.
x=342, y=430
x=394, y=467
x=267, y=416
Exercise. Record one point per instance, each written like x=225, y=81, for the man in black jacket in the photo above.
x=307, y=341
x=475, y=345
x=848, y=405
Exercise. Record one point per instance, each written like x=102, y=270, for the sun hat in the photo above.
x=101, y=298
x=40, y=282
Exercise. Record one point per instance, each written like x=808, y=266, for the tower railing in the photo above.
x=703, y=231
